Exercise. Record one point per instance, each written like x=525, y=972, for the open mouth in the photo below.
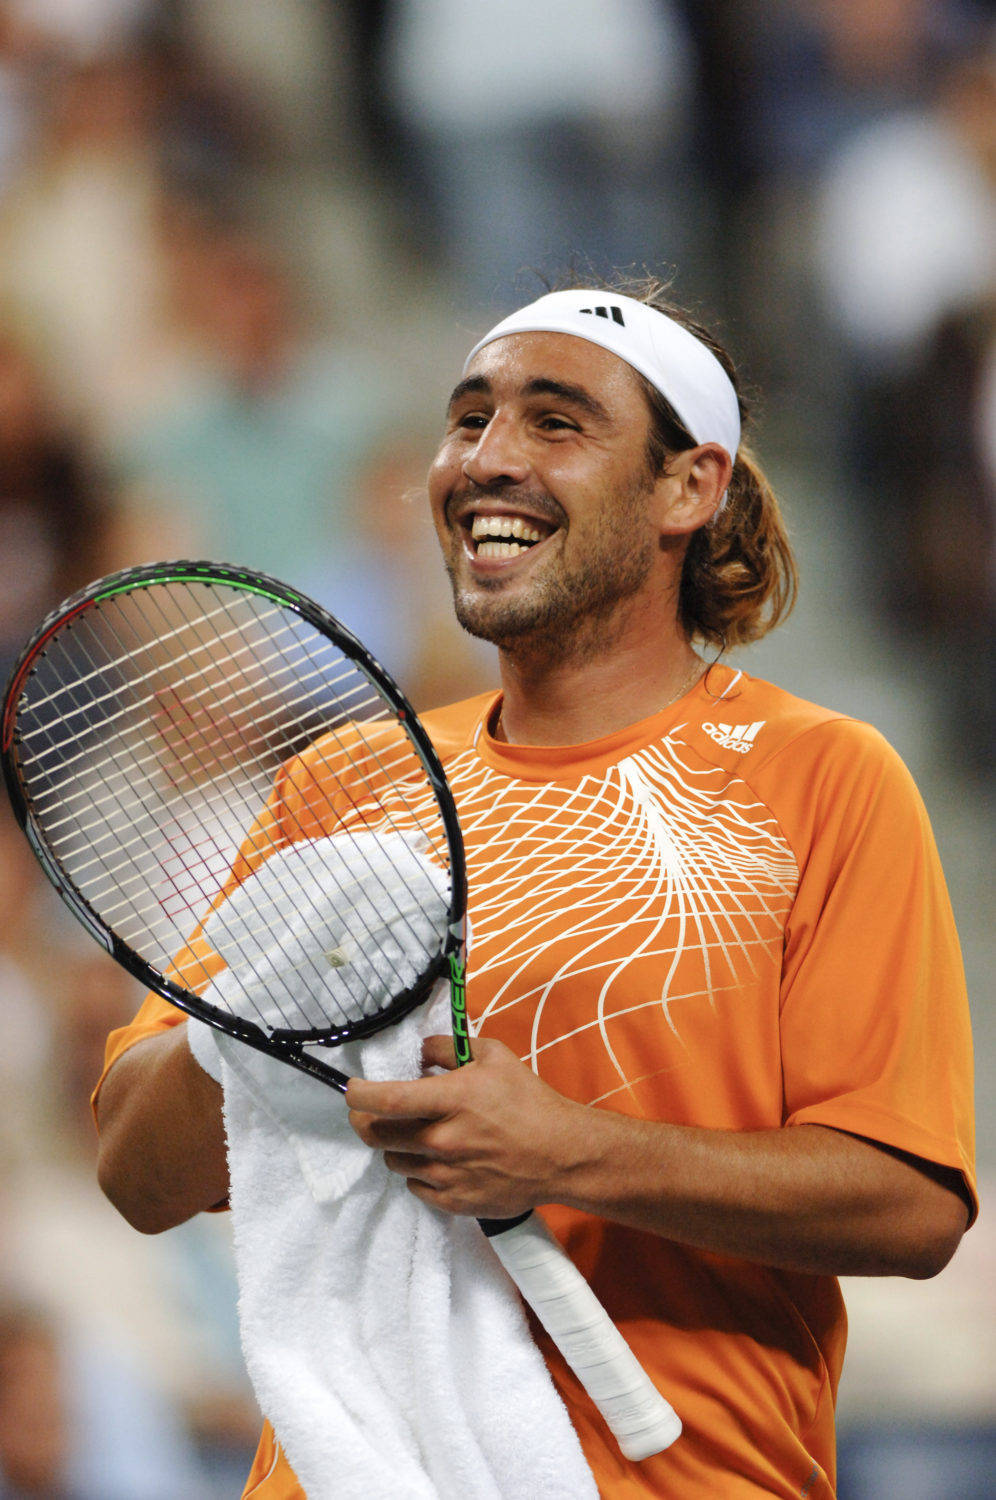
x=505, y=536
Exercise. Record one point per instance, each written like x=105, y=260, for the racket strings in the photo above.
x=182, y=898
x=154, y=760
x=129, y=914
x=223, y=718
x=116, y=773
x=280, y=973
x=284, y=966
x=373, y=707
x=155, y=695
x=161, y=641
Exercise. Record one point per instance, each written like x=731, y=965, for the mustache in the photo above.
x=532, y=501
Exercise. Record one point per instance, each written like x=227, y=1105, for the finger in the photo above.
x=439, y=1052
x=437, y=1198
x=387, y=1132
x=415, y=1168
x=449, y=1199
x=417, y=1100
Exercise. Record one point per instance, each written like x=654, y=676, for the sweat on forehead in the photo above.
x=678, y=364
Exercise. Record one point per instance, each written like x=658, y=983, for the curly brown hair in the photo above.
x=739, y=576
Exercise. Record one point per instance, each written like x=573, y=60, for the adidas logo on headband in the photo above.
x=604, y=312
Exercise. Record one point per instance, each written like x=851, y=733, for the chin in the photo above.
x=512, y=623
x=486, y=624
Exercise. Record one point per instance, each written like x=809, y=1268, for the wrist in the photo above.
x=592, y=1157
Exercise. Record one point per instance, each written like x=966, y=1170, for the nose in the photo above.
x=498, y=455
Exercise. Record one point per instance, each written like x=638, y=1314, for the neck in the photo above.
x=572, y=703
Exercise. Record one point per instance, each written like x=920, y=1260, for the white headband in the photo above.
x=678, y=364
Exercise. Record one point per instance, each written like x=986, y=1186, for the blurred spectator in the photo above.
x=253, y=440
x=906, y=250
x=76, y=235
x=33, y=1435
x=277, y=448
x=54, y=520
x=811, y=76
x=82, y=28
x=906, y=228
x=78, y=1423
x=955, y=1462
x=79, y=228
x=538, y=134
x=23, y=52
x=158, y=1313
x=935, y=451
x=27, y=967
x=285, y=67
x=824, y=69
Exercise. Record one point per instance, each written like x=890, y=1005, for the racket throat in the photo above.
x=493, y=1227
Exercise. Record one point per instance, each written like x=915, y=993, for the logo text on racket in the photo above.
x=458, y=1001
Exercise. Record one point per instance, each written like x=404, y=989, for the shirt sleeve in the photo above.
x=875, y=1031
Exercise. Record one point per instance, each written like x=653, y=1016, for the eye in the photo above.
x=554, y=423
x=472, y=421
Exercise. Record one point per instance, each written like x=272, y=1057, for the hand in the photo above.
x=489, y=1139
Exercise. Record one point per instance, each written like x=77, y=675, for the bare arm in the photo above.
x=162, y=1142
x=491, y=1139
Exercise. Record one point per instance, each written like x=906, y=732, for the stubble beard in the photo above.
x=571, y=613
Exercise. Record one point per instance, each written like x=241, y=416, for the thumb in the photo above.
x=439, y=1052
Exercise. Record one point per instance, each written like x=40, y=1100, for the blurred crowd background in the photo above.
x=243, y=249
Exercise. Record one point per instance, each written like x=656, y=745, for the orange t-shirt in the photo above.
x=730, y=915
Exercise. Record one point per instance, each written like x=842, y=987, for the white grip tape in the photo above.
x=641, y=1420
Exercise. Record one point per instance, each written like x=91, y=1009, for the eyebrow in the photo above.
x=474, y=385
x=574, y=395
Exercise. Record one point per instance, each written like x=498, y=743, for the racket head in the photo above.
x=144, y=727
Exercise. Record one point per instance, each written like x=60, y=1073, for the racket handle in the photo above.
x=640, y=1419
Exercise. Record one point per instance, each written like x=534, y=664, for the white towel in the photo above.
x=385, y=1343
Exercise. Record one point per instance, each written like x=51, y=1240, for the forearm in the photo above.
x=803, y=1198
x=492, y=1139
x=162, y=1151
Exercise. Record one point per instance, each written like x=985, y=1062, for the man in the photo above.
x=723, y=1032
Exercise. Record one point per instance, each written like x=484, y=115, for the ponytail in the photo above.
x=739, y=577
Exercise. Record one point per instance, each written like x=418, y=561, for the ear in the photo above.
x=693, y=488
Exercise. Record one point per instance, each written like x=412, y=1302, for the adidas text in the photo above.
x=739, y=737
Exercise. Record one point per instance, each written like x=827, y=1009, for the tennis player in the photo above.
x=723, y=1034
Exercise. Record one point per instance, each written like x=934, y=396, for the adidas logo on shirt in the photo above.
x=739, y=737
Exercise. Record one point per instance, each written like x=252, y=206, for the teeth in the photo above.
x=500, y=549
x=505, y=526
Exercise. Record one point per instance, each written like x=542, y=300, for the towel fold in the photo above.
x=385, y=1343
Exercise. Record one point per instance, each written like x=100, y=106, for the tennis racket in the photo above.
x=193, y=750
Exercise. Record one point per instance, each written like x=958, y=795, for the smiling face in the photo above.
x=543, y=499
